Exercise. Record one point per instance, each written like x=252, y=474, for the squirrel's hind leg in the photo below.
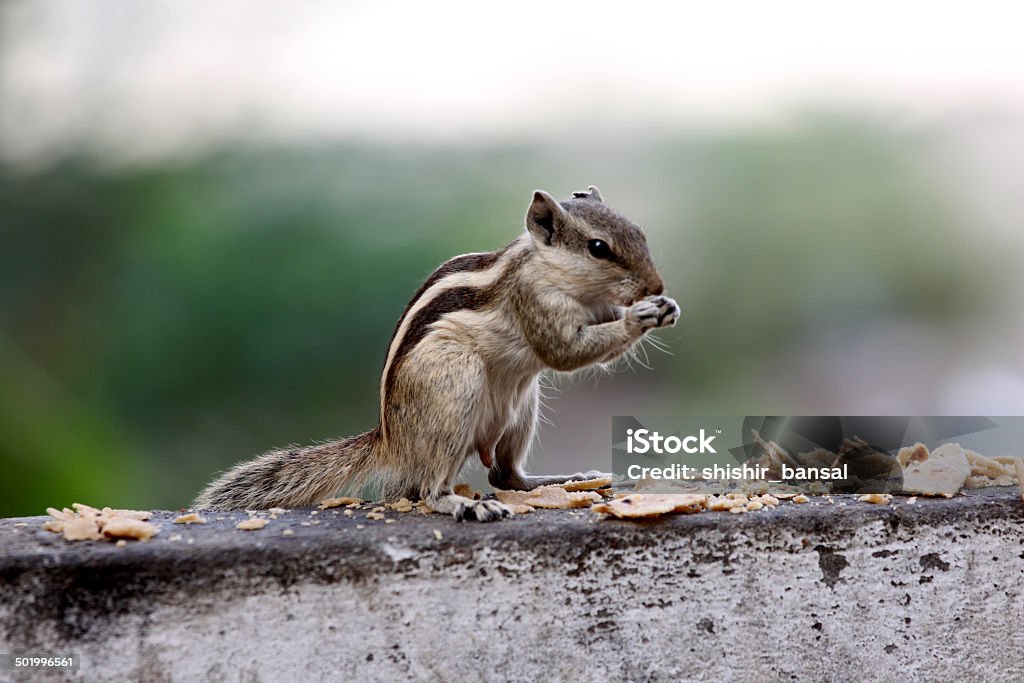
x=468, y=510
x=435, y=413
x=510, y=453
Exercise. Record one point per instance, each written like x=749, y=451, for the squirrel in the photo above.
x=577, y=287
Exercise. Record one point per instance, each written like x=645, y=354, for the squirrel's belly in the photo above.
x=500, y=412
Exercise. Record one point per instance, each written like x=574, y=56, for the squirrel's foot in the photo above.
x=467, y=510
x=653, y=312
x=480, y=511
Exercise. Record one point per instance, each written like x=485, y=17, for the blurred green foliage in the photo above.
x=158, y=324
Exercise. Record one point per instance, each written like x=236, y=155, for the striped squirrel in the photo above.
x=578, y=287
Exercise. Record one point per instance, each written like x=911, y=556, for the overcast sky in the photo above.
x=154, y=77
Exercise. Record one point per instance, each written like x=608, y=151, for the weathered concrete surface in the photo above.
x=932, y=591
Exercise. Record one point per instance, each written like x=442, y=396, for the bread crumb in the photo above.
x=943, y=472
x=86, y=523
x=81, y=529
x=128, y=527
x=586, y=484
x=121, y=543
x=754, y=505
x=374, y=515
x=986, y=467
x=175, y=537
x=389, y=521
x=801, y=498
x=360, y=526
x=911, y=454
x=465, y=490
x=551, y=497
x=739, y=509
x=337, y=502
x=645, y=505
x=253, y=524
x=875, y=498
x=287, y=532
x=348, y=513
x=911, y=500
x=403, y=505
x=190, y=518
x=724, y=504
x=438, y=535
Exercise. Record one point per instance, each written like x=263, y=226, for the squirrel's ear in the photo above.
x=544, y=217
x=591, y=193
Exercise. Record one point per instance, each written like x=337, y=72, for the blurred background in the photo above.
x=212, y=214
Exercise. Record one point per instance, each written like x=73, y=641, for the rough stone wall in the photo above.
x=932, y=591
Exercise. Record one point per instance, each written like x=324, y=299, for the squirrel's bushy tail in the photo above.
x=293, y=477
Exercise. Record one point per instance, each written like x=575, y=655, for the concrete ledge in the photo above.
x=932, y=591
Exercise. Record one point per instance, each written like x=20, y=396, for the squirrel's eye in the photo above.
x=600, y=249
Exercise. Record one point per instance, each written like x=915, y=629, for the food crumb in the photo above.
x=190, y=518
x=287, y=532
x=801, y=498
x=438, y=535
x=403, y=505
x=875, y=498
x=126, y=527
x=121, y=543
x=374, y=515
x=253, y=524
x=911, y=500
x=336, y=502
x=175, y=537
x=360, y=526
x=389, y=521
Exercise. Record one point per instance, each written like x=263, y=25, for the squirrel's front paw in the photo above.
x=653, y=312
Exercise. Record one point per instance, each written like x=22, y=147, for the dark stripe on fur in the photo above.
x=460, y=264
x=446, y=301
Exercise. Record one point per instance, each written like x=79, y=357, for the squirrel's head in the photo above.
x=592, y=251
